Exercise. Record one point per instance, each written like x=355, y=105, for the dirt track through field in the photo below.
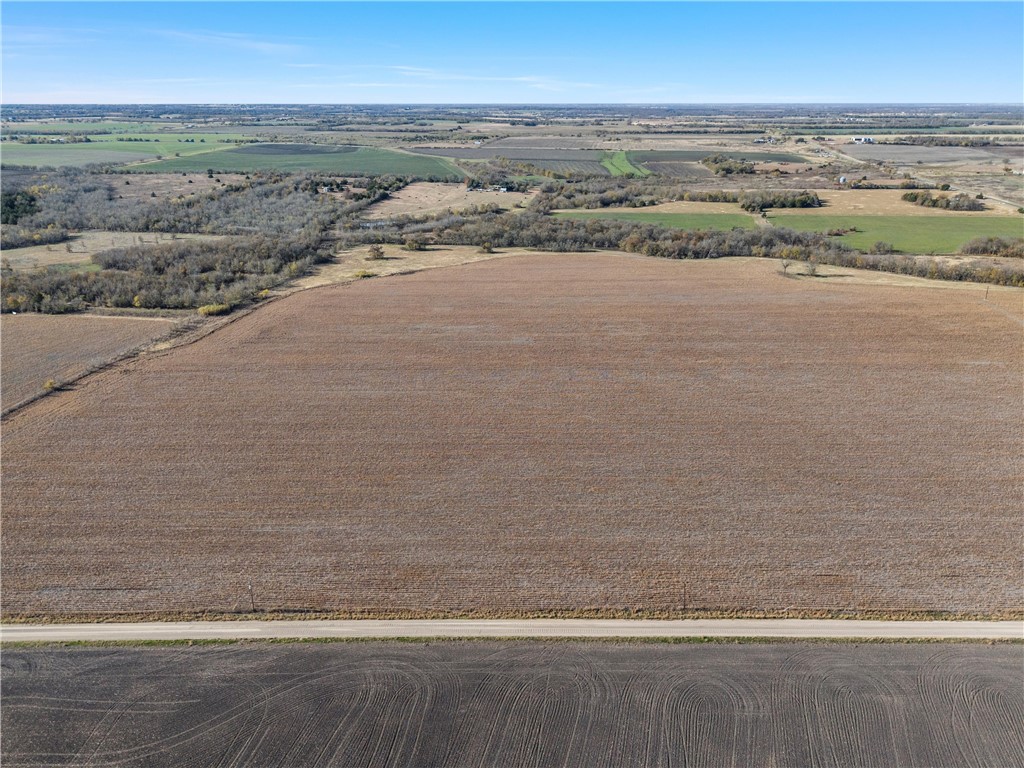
x=522, y=704
x=539, y=433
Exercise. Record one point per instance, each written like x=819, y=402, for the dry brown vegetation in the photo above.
x=541, y=433
x=889, y=202
x=171, y=185
x=80, y=248
x=358, y=264
x=429, y=197
x=37, y=348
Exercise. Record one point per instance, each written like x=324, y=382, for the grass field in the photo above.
x=555, y=432
x=618, y=164
x=537, y=704
x=909, y=234
x=678, y=220
x=342, y=160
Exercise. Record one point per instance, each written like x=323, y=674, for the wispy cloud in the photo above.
x=540, y=82
x=22, y=39
x=235, y=40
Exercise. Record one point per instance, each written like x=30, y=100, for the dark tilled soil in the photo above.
x=522, y=704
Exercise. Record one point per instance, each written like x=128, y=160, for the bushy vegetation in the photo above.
x=1006, y=247
x=178, y=275
x=723, y=165
x=611, y=193
x=959, y=202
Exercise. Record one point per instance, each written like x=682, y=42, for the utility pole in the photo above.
x=252, y=600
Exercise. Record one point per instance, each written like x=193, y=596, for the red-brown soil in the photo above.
x=535, y=433
x=36, y=348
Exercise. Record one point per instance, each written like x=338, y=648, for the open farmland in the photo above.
x=939, y=233
x=524, y=704
x=696, y=155
x=678, y=220
x=427, y=197
x=889, y=202
x=37, y=348
x=558, y=432
x=899, y=153
x=618, y=164
x=342, y=160
x=564, y=162
x=126, y=148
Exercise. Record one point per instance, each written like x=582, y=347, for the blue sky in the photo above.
x=512, y=52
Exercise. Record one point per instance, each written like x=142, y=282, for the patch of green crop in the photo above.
x=618, y=164
x=908, y=234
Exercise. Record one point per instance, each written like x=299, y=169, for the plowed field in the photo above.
x=36, y=348
x=522, y=704
x=548, y=432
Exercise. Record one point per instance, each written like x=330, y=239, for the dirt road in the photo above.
x=466, y=628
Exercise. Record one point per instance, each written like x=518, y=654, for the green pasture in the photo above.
x=909, y=234
x=618, y=164
x=723, y=221
x=358, y=161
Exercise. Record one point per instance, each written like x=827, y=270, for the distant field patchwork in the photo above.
x=119, y=148
x=909, y=234
x=342, y=160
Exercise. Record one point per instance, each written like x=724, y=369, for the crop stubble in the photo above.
x=61, y=347
x=526, y=704
x=540, y=433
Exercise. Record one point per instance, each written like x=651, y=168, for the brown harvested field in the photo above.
x=541, y=433
x=427, y=197
x=594, y=705
x=80, y=248
x=35, y=348
x=356, y=264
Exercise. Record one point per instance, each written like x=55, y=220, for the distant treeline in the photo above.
x=949, y=141
x=617, y=193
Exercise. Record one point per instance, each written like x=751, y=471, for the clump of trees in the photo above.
x=959, y=202
x=723, y=165
x=16, y=205
x=756, y=202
